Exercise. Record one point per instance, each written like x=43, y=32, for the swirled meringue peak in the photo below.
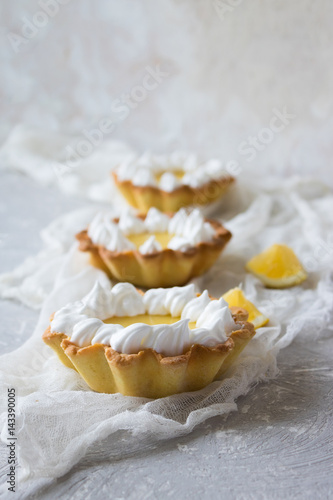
x=103, y=231
x=187, y=227
x=199, y=319
x=168, y=172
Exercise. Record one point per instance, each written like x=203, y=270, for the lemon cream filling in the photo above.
x=162, y=239
x=168, y=320
x=148, y=319
x=178, y=174
x=156, y=232
x=170, y=171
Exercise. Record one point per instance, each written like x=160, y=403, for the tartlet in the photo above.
x=154, y=250
x=151, y=345
x=171, y=182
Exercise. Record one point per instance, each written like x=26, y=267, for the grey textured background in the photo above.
x=227, y=72
x=278, y=445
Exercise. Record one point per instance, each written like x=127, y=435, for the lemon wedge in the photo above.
x=277, y=267
x=236, y=297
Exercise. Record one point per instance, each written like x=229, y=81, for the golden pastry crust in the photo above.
x=145, y=197
x=149, y=374
x=165, y=268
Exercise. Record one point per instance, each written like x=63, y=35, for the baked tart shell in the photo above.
x=149, y=374
x=145, y=197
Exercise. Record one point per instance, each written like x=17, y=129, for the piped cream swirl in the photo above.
x=189, y=228
x=143, y=170
x=83, y=321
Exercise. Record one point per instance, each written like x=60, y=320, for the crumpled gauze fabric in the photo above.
x=72, y=163
x=60, y=420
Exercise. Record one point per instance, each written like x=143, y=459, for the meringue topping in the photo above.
x=184, y=230
x=189, y=319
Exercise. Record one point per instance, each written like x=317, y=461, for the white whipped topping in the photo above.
x=150, y=246
x=156, y=221
x=142, y=170
x=191, y=226
x=197, y=178
x=194, y=307
x=168, y=182
x=144, y=177
x=179, y=243
x=104, y=232
x=168, y=300
x=101, y=303
x=129, y=224
x=189, y=229
x=83, y=322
